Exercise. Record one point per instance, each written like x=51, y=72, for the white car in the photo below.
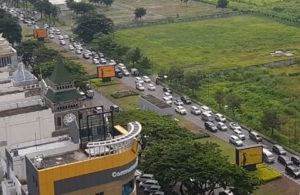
x=138, y=80
x=71, y=48
x=60, y=37
x=66, y=36
x=205, y=109
x=78, y=51
x=62, y=42
x=146, y=79
x=140, y=87
x=166, y=94
x=168, y=100
x=102, y=61
x=95, y=61
x=222, y=126
x=178, y=102
x=234, y=126
x=51, y=36
x=181, y=110
x=195, y=110
x=239, y=134
x=151, y=87
x=220, y=117
x=235, y=140
x=126, y=72
x=113, y=62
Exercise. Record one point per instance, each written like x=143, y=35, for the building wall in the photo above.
x=27, y=127
x=50, y=177
x=11, y=97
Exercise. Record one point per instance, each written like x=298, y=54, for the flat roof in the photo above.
x=22, y=110
x=62, y=159
x=155, y=101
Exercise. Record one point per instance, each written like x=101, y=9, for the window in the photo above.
x=100, y=193
x=58, y=121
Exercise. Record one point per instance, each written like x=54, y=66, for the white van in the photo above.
x=207, y=116
x=268, y=156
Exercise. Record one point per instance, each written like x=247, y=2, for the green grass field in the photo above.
x=213, y=44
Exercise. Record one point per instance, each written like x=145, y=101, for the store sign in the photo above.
x=126, y=171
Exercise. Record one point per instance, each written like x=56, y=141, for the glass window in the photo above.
x=128, y=188
x=58, y=121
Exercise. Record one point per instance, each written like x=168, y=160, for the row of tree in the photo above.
x=42, y=60
x=177, y=159
x=107, y=3
x=46, y=9
x=10, y=27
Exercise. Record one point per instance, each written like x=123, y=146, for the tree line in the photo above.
x=10, y=27
x=182, y=164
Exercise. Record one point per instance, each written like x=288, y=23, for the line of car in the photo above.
x=149, y=185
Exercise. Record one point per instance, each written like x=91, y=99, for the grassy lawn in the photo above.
x=89, y=67
x=213, y=44
x=122, y=11
x=126, y=103
x=27, y=33
x=259, y=89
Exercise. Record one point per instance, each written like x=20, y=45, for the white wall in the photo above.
x=27, y=127
x=10, y=97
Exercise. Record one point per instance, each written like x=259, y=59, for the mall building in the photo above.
x=95, y=158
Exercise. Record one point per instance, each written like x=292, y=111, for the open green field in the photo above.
x=288, y=10
x=122, y=11
x=259, y=89
x=213, y=44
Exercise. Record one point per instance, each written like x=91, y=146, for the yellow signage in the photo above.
x=40, y=33
x=249, y=156
x=106, y=71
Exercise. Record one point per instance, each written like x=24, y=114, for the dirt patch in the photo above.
x=283, y=186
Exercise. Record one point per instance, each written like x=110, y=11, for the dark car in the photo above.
x=278, y=150
x=211, y=126
x=295, y=160
x=186, y=100
x=292, y=171
x=166, y=89
x=284, y=160
x=119, y=73
x=115, y=108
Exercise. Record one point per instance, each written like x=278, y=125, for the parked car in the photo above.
x=166, y=89
x=178, y=102
x=152, y=188
x=98, y=109
x=205, y=109
x=222, y=126
x=268, y=156
x=220, y=117
x=292, y=171
x=62, y=42
x=186, y=99
x=148, y=183
x=86, y=56
x=140, y=87
x=295, y=160
x=167, y=94
x=210, y=126
x=255, y=136
x=151, y=87
x=146, y=79
x=234, y=126
x=206, y=116
x=115, y=108
x=278, y=150
x=181, y=110
x=144, y=177
x=168, y=100
x=239, y=134
x=235, y=140
x=284, y=160
x=195, y=110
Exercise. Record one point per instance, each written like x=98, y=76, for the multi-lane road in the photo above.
x=224, y=135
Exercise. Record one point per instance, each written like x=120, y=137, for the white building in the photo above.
x=8, y=55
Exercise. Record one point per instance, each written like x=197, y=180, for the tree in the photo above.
x=144, y=64
x=176, y=74
x=220, y=97
x=234, y=102
x=222, y=3
x=81, y=7
x=185, y=1
x=270, y=120
x=134, y=56
x=193, y=81
x=10, y=28
x=140, y=12
x=108, y=3
x=27, y=49
x=91, y=24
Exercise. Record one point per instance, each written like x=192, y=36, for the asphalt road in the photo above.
x=224, y=135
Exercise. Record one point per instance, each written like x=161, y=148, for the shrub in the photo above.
x=121, y=94
x=98, y=83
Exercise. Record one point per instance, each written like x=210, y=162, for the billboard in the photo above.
x=106, y=71
x=40, y=33
x=249, y=155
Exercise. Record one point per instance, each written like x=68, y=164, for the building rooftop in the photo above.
x=60, y=74
x=63, y=96
x=23, y=76
x=5, y=47
x=155, y=101
x=22, y=110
